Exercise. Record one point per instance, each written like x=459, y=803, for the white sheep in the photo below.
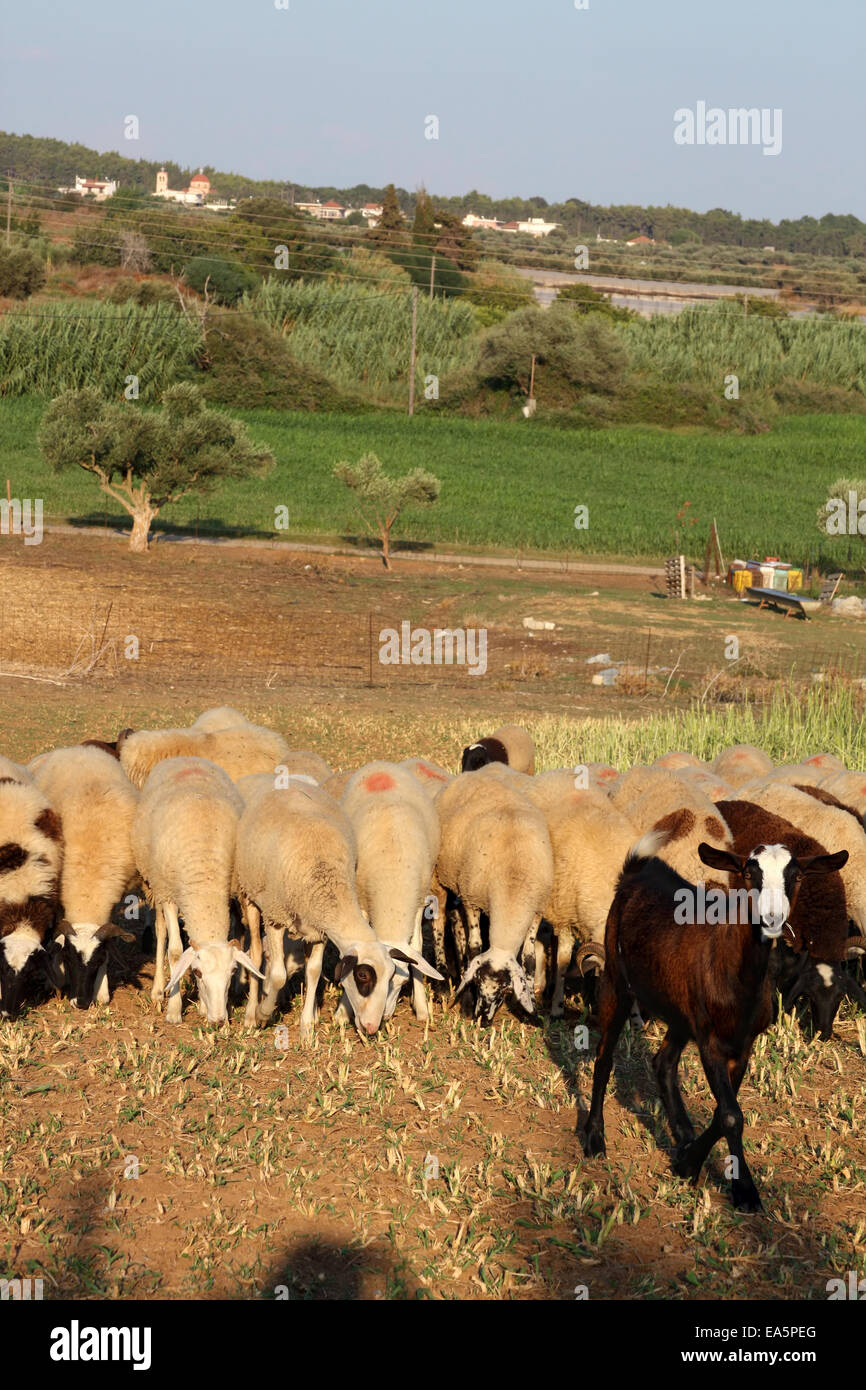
x=849, y=787
x=31, y=858
x=295, y=871
x=679, y=808
x=183, y=838
x=590, y=840
x=238, y=751
x=740, y=763
x=677, y=761
x=429, y=774
x=497, y=857
x=397, y=833
x=221, y=717
x=96, y=803
x=302, y=762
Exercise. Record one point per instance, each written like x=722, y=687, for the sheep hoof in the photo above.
x=683, y=1162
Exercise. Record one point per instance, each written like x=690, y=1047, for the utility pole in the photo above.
x=432, y=273
x=412, y=353
x=9, y=176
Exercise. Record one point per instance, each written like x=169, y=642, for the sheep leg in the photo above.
x=275, y=977
x=174, y=1008
x=473, y=926
x=159, y=980
x=666, y=1062
x=564, y=952
x=440, y=912
x=724, y=1077
x=253, y=920
x=310, y=1011
x=614, y=1005
x=419, y=995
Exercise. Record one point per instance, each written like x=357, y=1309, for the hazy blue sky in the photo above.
x=532, y=96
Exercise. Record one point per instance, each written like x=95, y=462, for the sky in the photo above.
x=532, y=97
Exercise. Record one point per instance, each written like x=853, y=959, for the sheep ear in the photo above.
x=824, y=863
x=345, y=966
x=469, y=974
x=414, y=958
x=521, y=986
x=241, y=958
x=181, y=968
x=720, y=858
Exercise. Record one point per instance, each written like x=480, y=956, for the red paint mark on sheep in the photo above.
x=378, y=782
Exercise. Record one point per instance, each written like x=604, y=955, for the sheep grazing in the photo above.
x=676, y=762
x=295, y=871
x=829, y=825
x=818, y=926
x=849, y=787
x=497, y=857
x=397, y=832
x=709, y=983
x=709, y=783
x=741, y=763
x=220, y=717
x=678, y=807
x=238, y=751
x=304, y=763
x=183, y=839
x=336, y=784
x=510, y=744
x=31, y=857
x=429, y=774
x=590, y=840
x=96, y=803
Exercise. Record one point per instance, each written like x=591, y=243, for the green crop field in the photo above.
x=512, y=485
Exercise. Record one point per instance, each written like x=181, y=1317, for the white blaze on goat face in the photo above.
x=82, y=935
x=773, y=903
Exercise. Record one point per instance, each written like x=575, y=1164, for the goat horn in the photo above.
x=589, y=951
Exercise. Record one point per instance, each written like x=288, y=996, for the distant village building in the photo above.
x=325, y=212
x=371, y=213
x=98, y=189
x=642, y=241
x=199, y=189
x=535, y=226
x=492, y=223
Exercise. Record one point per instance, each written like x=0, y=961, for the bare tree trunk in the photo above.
x=386, y=547
x=141, y=519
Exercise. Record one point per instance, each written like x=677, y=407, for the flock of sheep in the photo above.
x=253, y=857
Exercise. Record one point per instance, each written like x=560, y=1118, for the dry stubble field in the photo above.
x=438, y=1162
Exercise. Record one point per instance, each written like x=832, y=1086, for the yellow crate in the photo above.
x=795, y=580
x=741, y=579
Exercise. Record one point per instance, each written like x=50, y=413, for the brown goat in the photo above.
x=709, y=982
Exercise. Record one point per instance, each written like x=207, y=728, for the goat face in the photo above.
x=213, y=967
x=496, y=974
x=773, y=874
x=372, y=975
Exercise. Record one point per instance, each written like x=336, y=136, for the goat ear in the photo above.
x=823, y=863
x=345, y=966
x=241, y=958
x=722, y=859
x=415, y=959
x=181, y=968
x=521, y=986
